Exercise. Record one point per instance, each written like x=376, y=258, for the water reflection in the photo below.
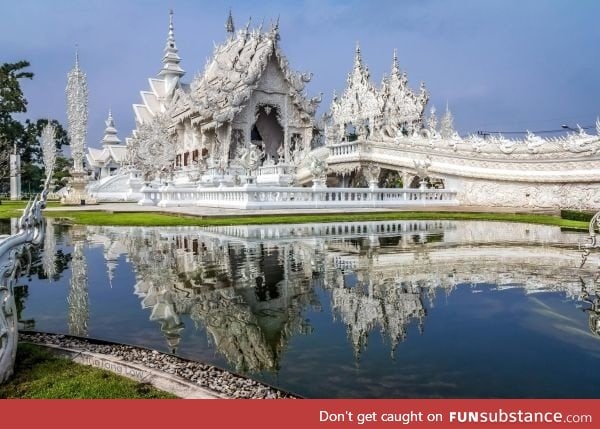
x=250, y=287
x=78, y=299
x=592, y=308
x=319, y=309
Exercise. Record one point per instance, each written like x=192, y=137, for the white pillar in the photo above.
x=15, y=176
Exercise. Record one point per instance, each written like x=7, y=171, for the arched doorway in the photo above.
x=267, y=132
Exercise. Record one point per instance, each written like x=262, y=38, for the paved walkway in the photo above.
x=222, y=212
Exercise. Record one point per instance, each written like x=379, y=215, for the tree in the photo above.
x=25, y=137
x=62, y=171
x=11, y=101
x=11, y=96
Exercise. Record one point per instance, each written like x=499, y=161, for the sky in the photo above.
x=500, y=65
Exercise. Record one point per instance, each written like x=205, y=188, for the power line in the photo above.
x=562, y=130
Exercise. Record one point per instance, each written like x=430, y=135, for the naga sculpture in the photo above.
x=30, y=231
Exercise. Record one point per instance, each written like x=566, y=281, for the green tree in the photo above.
x=62, y=171
x=12, y=101
x=11, y=96
x=24, y=137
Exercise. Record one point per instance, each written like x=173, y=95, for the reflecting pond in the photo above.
x=372, y=309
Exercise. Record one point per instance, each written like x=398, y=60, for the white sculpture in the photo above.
x=77, y=116
x=249, y=158
x=48, y=144
x=152, y=150
x=318, y=170
x=30, y=231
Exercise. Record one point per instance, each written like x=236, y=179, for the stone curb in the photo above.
x=218, y=382
x=167, y=382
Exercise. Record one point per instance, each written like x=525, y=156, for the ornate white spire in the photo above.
x=359, y=101
x=77, y=112
x=171, y=70
x=229, y=25
x=110, y=133
x=357, y=56
x=395, y=66
x=447, y=124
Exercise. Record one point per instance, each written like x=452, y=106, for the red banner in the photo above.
x=322, y=414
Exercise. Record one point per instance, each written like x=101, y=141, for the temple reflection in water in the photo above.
x=251, y=286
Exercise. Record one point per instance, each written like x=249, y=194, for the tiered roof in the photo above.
x=232, y=75
x=112, y=150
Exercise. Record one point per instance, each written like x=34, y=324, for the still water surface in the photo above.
x=373, y=309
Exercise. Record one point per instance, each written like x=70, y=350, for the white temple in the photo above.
x=243, y=134
x=107, y=161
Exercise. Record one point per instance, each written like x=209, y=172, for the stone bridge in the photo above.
x=530, y=173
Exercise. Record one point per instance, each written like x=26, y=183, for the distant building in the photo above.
x=107, y=161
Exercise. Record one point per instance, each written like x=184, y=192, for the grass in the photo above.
x=164, y=219
x=41, y=375
x=93, y=217
x=10, y=209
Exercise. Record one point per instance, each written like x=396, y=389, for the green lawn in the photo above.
x=160, y=219
x=11, y=209
x=41, y=375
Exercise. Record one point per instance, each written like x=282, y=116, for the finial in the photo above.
x=76, y=55
x=171, y=57
x=395, y=67
x=229, y=25
x=171, y=28
x=357, y=57
x=275, y=29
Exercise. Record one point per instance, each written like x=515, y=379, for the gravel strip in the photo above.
x=210, y=377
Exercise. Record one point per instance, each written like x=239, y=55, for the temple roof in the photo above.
x=110, y=132
x=102, y=157
x=234, y=73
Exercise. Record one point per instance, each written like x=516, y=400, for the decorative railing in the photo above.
x=342, y=149
x=275, y=197
x=275, y=169
x=30, y=231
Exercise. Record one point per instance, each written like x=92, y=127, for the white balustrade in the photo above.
x=342, y=149
x=276, y=197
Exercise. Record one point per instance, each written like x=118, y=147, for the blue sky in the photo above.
x=500, y=65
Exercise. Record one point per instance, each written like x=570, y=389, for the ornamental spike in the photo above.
x=229, y=26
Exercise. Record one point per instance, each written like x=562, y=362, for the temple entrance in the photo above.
x=267, y=132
